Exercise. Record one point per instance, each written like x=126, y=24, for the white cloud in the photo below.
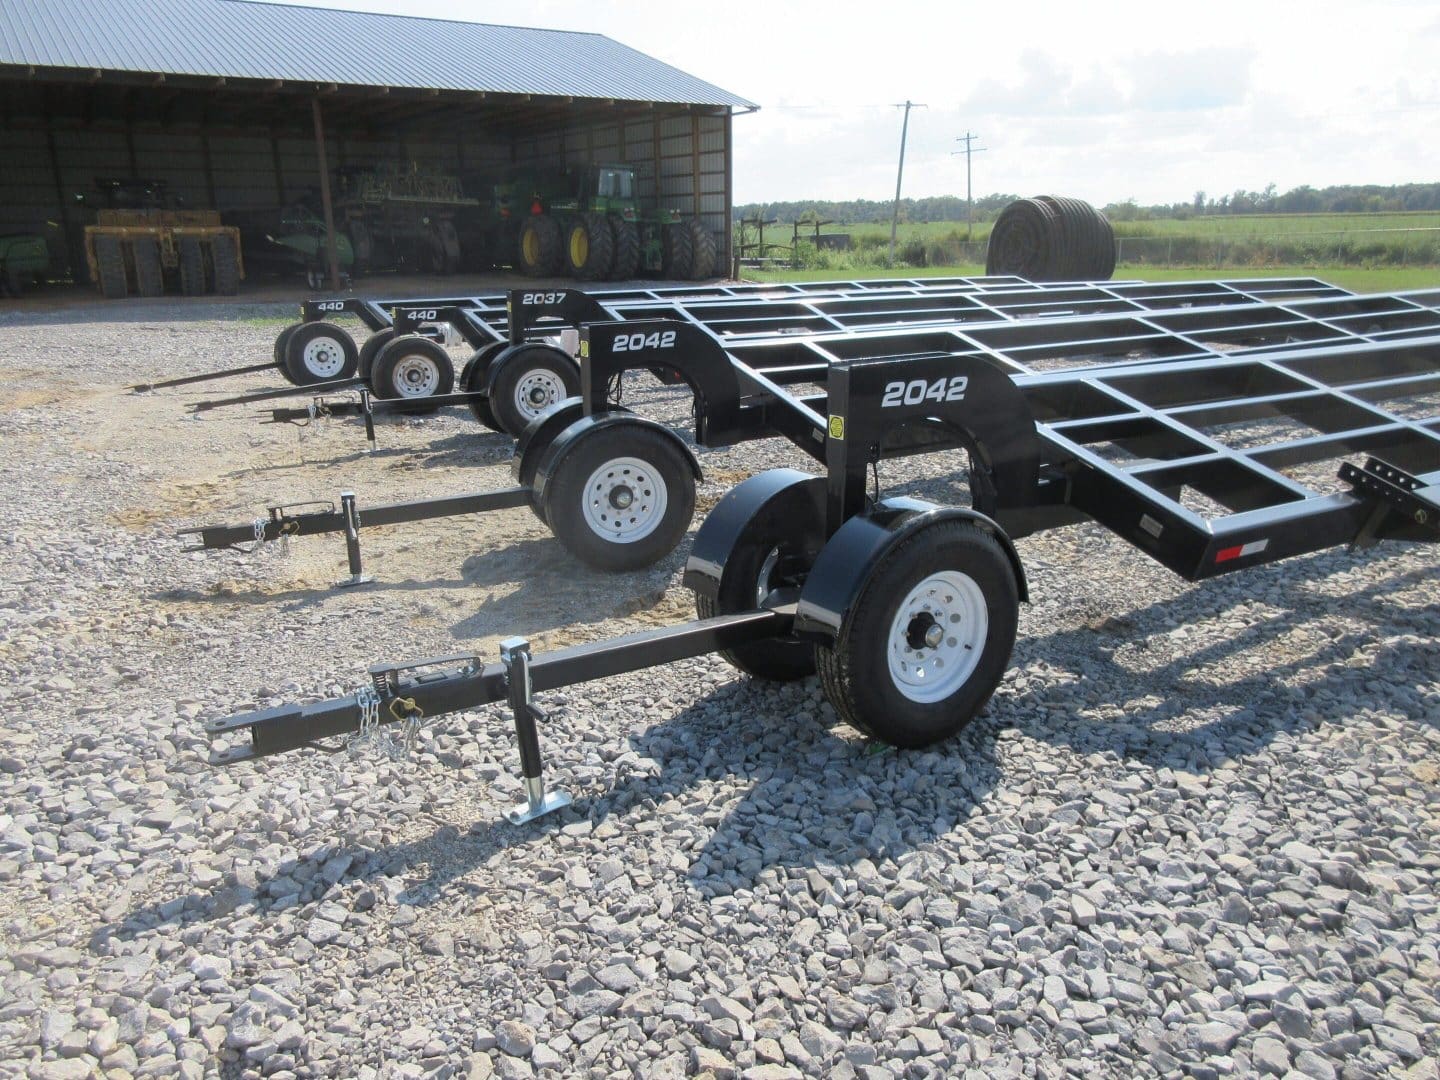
x=1101, y=101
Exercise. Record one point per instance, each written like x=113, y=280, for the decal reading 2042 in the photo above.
x=636, y=342
x=917, y=391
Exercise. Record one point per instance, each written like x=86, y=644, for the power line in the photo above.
x=900, y=174
x=967, y=139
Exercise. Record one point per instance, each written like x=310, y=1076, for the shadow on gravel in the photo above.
x=1199, y=723
x=822, y=798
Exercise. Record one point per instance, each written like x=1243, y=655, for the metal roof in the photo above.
x=237, y=39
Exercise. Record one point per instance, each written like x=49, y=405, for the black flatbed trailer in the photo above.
x=515, y=376
x=908, y=609
x=741, y=380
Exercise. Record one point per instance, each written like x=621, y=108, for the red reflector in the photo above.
x=1226, y=554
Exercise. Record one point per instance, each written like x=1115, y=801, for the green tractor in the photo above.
x=590, y=226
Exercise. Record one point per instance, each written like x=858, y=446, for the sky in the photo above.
x=1101, y=101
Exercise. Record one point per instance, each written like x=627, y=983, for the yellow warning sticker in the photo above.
x=837, y=428
x=585, y=347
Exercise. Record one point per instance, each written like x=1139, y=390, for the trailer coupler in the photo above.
x=1393, y=491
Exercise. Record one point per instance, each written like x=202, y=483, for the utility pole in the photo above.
x=967, y=139
x=900, y=175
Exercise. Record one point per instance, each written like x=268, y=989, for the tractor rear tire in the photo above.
x=590, y=247
x=149, y=274
x=703, y=253
x=627, y=251
x=540, y=251
x=678, y=252
x=225, y=264
x=192, y=267
x=110, y=262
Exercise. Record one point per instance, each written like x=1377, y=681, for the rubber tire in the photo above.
x=225, y=264
x=599, y=244
x=383, y=373
x=627, y=251
x=703, y=253
x=677, y=252
x=475, y=376
x=282, y=342
x=778, y=660
x=371, y=349
x=547, y=247
x=192, y=266
x=149, y=274
x=565, y=491
x=110, y=268
x=294, y=365
x=855, y=672
x=504, y=379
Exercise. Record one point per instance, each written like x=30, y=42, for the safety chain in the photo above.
x=368, y=732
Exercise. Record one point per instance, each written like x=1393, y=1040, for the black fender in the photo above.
x=475, y=375
x=851, y=556
x=541, y=432
x=775, y=491
x=506, y=355
x=560, y=447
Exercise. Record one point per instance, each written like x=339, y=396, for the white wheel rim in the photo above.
x=416, y=377
x=625, y=500
x=324, y=357
x=536, y=391
x=937, y=636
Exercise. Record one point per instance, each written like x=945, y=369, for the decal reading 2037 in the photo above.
x=917, y=391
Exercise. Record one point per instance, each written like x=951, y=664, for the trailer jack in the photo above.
x=515, y=655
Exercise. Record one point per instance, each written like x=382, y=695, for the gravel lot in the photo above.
x=1195, y=833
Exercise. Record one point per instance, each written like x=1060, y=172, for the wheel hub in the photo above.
x=416, y=377
x=625, y=500
x=537, y=391
x=324, y=357
x=937, y=636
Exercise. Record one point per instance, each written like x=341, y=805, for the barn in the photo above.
x=247, y=107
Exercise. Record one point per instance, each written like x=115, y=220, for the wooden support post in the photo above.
x=732, y=257
x=325, y=204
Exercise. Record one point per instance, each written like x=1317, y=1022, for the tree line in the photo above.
x=1339, y=199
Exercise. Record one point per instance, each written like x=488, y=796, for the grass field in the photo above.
x=1357, y=279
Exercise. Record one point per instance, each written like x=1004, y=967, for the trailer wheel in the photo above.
x=678, y=251
x=371, y=349
x=540, y=252
x=528, y=380
x=282, y=343
x=765, y=567
x=475, y=378
x=110, y=263
x=225, y=264
x=149, y=276
x=319, y=352
x=192, y=267
x=926, y=642
x=627, y=251
x=703, y=255
x=590, y=247
x=412, y=367
x=622, y=497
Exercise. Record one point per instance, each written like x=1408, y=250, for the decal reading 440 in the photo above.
x=636, y=342
x=918, y=391
x=543, y=298
x=330, y=305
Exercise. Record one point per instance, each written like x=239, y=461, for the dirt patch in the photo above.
x=176, y=500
